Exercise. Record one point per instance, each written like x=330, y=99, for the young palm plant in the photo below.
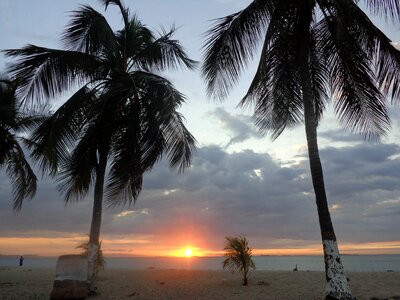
x=310, y=48
x=122, y=119
x=238, y=256
x=14, y=122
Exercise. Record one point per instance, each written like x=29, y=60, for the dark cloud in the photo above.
x=237, y=193
x=363, y=181
x=240, y=126
x=341, y=135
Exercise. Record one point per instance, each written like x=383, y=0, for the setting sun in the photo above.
x=188, y=252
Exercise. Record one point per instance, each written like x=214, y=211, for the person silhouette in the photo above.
x=21, y=260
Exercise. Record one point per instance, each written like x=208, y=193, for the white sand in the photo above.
x=35, y=283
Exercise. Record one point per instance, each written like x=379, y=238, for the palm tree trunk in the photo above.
x=336, y=286
x=245, y=271
x=94, y=237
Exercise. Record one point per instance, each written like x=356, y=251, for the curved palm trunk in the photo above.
x=94, y=237
x=336, y=286
x=336, y=282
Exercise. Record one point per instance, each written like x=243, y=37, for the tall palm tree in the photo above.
x=14, y=121
x=120, y=121
x=238, y=256
x=310, y=47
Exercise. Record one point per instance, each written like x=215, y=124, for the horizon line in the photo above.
x=194, y=256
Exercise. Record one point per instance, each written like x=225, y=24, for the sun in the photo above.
x=188, y=252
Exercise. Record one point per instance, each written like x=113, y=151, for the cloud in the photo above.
x=235, y=193
x=341, y=135
x=240, y=127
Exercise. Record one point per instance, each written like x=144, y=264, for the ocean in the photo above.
x=354, y=263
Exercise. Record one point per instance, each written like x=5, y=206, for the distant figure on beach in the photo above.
x=21, y=260
x=295, y=269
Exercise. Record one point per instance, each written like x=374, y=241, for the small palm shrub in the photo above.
x=238, y=256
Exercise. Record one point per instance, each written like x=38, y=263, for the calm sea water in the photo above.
x=357, y=263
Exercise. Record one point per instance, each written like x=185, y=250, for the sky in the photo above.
x=239, y=183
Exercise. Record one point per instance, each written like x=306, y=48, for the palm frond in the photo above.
x=125, y=174
x=358, y=102
x=124, y=10
x=149, y=126
x=125, y=177
x=162, y=110
x=7, y=139
x=180, y=141
x=319, y=74
x=384, y=8
x=32, y=119
x=9, y=106
x=89, y=32
x=275, y=90
x=54, y=138
x=384, y=56
x=12, y=156
x=132, y=39
x=5, y=84
x=23, y=179
x=231, y=43
x=165, y=53
x=45, y=73
x=78, y=171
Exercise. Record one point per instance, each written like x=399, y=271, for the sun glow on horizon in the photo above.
x=188, y=252
x=143, y=246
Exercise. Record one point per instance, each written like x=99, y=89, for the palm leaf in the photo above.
x=23, y=179
x=59, y=133
x=78, y=171
x=231, y=43
x=89, y=32
x=358, y=102
x=13, y=121
x=164, y=53
x=149, y=126
x=124, y=10
x=386, y=8
x=275, y=90
x=384, y=56
x=45, y=73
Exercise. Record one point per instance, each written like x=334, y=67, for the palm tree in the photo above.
x=309, y=47
x=122, y=119
x=14, y=121
x=238, y=256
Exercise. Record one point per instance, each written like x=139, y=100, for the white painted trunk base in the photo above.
x=336, y=285
x=93, y=251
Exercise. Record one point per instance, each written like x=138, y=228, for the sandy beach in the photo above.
x=36, y=283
